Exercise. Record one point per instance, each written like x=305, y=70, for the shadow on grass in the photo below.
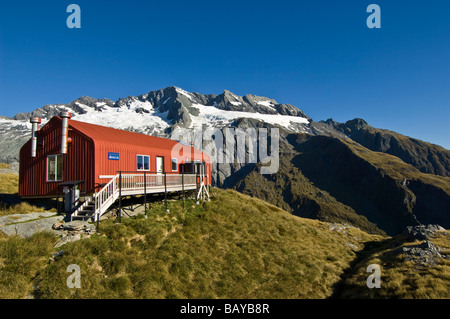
x=10, y=200
x=346, y=288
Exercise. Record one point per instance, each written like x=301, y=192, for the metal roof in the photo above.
x=100, y=133
x=106, y=136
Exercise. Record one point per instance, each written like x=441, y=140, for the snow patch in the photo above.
x=183, y=92
x=126, y=117
x=213, y=116
x=268, y=104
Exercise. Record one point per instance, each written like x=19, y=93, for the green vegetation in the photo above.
x=356, y=182
x=232, y=247
x=22, y=208
x=400, y=278
x=291, y=190
x=20, y=261
x=9, y=184
x=396, y=168
x=426, y=157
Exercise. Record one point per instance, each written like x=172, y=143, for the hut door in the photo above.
x=160, y=169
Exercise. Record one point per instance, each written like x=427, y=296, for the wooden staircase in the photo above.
x=86, y=211
x=138, y=184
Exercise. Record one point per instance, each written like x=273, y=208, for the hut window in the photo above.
x=174, y=164
x=143, y=162
x=54, y=168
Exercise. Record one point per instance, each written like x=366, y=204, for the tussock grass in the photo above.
x=21, y=208
x=400, y=278
x=233, y=247
x=9, y=183
x=291, y=190
x=4, y=165
x=396, y=168
x=20, y=261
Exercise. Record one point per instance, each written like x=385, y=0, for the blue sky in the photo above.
x=317, y=55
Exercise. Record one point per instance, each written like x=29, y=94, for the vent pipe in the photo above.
x=65, y=116
x=35, y=121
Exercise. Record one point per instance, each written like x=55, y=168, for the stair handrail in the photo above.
x=111, y=189
x=107, y=191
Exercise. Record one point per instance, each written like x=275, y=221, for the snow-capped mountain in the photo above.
x=156, y=111
x=162, y=113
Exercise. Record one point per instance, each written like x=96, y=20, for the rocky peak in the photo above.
x=355, y=124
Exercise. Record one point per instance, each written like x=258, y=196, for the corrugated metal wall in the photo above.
x=87, y=158
x=78, y=163
x=128, y=153
x=127, y=158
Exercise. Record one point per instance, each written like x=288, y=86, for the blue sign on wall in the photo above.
x=113, y=156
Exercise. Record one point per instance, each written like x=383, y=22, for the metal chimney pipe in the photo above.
x=35, y=121
x=65, y=116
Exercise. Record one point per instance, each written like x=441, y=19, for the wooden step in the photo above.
x=78, y=217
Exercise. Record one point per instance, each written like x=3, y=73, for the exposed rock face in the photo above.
x=73, y=231
x=26, y=225
x=425, y=254
x=388, y=192
x=328, y=179
x=422, y=232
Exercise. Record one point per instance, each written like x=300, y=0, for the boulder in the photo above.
x=424, y=254
x=28, y=229
x=67, y=239
x=421, y=232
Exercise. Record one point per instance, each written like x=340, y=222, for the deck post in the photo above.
x=182, y=185
x=145, y=194
x=165, y=189
x=98, y=214
x=197, y=188
x=120, y=196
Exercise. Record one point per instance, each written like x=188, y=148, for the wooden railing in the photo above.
x=142, y=183
x=106, y=197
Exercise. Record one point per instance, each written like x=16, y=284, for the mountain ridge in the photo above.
x=412, y=174
x=427, y=157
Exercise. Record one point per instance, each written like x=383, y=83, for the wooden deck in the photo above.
x=128, y=184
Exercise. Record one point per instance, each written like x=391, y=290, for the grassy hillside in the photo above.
x=232, y=247
x=235, y=246
x=400, y=278
x=379, y=186
x=10, y=203
x=9, y=183
x=291, y=190
x=396, y=168
x=426, y=157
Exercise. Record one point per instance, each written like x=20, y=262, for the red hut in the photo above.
x=65, y=152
